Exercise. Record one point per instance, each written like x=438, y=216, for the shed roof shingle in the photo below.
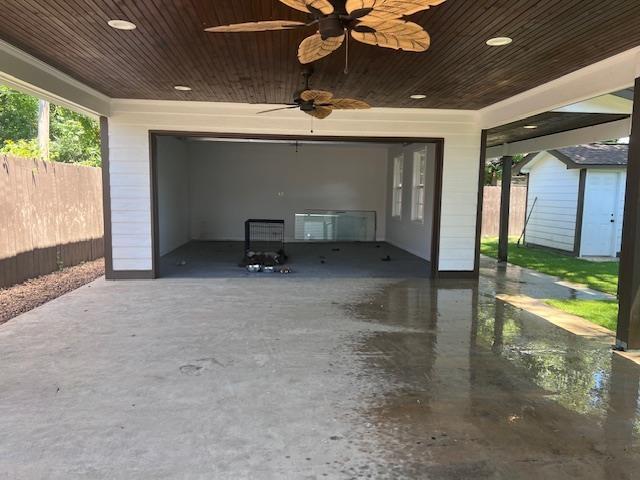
x=595, y=154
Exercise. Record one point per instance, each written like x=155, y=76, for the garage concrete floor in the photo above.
x=287, y=377
x=199, y=259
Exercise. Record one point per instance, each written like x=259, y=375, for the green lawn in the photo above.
x=602, y=276
x=601, y=312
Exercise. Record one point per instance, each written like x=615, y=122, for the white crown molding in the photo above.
x=608, y=76
x=26, y=73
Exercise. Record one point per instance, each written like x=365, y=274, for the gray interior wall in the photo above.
x=231, y=182
x=173, y=193
x=412, y=236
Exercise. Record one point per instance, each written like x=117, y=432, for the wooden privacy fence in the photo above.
x=50, y=217
x=491, y=211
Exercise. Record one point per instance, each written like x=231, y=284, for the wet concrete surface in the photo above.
x=513, y=280
x=302, y=378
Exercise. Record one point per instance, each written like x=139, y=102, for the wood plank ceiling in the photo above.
x=551, y=38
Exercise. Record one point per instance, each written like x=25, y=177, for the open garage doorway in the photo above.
x=338, y=207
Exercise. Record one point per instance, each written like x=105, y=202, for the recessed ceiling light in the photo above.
x=530, y=127
x=122, y=25
x=418, y=97
x=499, y=41
x=183, y=88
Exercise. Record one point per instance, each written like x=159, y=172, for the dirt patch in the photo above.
x=31, y=294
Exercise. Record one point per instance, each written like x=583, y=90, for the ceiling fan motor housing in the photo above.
x=330, y=26
x=307, y=106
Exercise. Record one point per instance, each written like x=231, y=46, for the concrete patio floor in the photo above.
x=309, y=378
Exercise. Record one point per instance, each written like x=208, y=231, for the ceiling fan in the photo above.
x=375, y=22
x=318, y=103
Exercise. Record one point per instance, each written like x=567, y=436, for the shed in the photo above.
x=575, y=199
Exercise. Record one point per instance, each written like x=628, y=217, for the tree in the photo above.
x=75, y=138
x=18, y=116
x=493, y=170
x=22, y=148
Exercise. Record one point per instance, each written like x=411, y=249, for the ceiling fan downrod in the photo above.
x=346, y=59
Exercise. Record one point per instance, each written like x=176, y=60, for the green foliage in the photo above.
x=600, y=312
x=602, y=276
x=18, y=116
x=75, y=138
x=493, y=170
x=21, y=148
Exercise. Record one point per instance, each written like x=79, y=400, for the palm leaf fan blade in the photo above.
x=314, y=47
x=396, y=34
x=257, y=26
x=316, y=96
x=320, y=112
x=388, y=9
x=349, y=104
x=323, y=6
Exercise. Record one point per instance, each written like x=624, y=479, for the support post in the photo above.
x=628, y=334
x=505, y=207
x=479, y=212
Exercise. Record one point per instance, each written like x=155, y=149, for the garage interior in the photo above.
x=349, y=208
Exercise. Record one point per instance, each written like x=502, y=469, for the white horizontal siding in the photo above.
x=131, y=204
x=553, y=219
x=131, y=240
x=126, y=192
x=132, y=120
x=120, y=264
x=130, y=179
x=140, y=228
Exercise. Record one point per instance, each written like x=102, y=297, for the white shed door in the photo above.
x=601, y=214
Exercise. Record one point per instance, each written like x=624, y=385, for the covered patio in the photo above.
x=349, y=378
x=412, y=368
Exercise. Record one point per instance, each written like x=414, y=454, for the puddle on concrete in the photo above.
x=466, y=386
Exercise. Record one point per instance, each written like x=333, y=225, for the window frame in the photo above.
x=398, y=187
x=418, y=187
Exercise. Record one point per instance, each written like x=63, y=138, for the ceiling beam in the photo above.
x=597, y=133
x=34, y=77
